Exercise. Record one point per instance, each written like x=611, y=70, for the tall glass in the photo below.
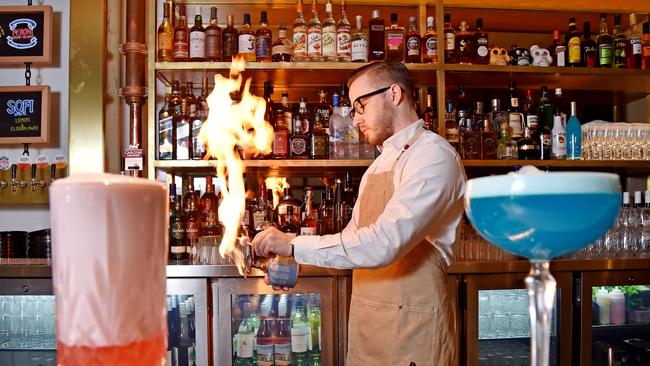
x=541, y=216
x=109, y=247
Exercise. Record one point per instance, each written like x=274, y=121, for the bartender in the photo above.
x=399, y=240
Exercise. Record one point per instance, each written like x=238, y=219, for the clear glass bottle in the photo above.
x=394, y=41
x=246, y=40
x=359, y=44
x=299, y=35
x=263, y=40
x=506, y=146
x=282, y=48
x=413, y=43
x=197, y=40
x=314, y=36
x=329, y=35
x=213, y=46
x=430, y=43
x=344, y=36
x=558, y=142
x=165, y=36
x=605, y=46
x=299, y=141
x=376, y=37
x=326, y=213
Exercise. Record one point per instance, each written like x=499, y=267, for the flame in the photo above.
x=277, y=185
x=232, y=127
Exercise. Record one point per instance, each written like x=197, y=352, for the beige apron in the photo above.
x=400, y=313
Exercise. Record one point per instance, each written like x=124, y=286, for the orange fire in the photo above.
x=232, y=127
x=277, y=185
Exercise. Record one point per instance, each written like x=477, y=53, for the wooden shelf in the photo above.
x=620, y=6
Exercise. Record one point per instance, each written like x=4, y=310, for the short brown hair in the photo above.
x=382, y=72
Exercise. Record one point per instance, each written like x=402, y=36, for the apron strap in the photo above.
x=408, y=144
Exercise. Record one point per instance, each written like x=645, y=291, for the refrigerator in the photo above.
x=255, y=325
x=615, y=319
x=493, y=313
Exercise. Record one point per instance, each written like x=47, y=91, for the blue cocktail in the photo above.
x=541, y=216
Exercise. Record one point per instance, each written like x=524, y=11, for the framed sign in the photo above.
x=24, y=114
x=25, y=34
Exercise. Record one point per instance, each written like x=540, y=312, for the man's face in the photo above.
x=374, y=114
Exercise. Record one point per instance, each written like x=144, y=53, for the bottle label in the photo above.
x=314, y=43
x=229, y=44
x=280, y=142
x=343, y=43
x=281, y=49
x=432, y=48
x=559, y=56
x=531, y=121
x=192, y=230
x=605, y=54
x=263, y=46
x=178, y=249
x=299, y=341
x=636, y=45
x=299, y=43
x=482, y=49
x=212, y=43
x=329, y=41
x=574, y=147
x=452, y=134
x=282, y=354
x=245, y=345
x=574, y=50
x=646, y=51
x=413, y=46
x=450, y=41
x=515, y=121
x=246, y=44
x=394, y=41
x=377, y=28
x=298, y=146
x=209, y=218
x=360, y=50
x=259, y=217
x=514, y=102
x=181, y=47
x=265, y=354
x=165, y=41
x=197, y=44
x=306, y=230
x=319, y=145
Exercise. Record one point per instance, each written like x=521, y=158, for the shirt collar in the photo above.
x=398, y=140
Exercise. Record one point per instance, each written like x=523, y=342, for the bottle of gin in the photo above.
x=359, y=44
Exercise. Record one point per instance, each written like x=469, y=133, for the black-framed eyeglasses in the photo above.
x=358, y=106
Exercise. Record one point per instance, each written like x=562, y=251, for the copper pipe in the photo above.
x=134, y=49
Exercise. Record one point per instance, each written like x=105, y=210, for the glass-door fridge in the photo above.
x=494, y=317
x=255, y=325
x=187, y=322
x=616, y=322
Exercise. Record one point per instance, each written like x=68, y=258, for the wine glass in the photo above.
x=541, y=216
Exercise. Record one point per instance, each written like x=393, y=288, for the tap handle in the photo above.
x=33, y=172
x=52, y=172
x=14, y=171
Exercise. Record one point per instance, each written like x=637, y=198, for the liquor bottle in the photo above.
x=329, y=35
x=413, y=43
x=429, y=115
x=574, y=135
x=530, y=113
x=326, y=213
x=245, y=339
x=481, y=44
x=619, y=44
x=498, y=116
x=589, y=47
x=463, y=44
x=645, y=61
x=165, y=123
x=165, y=36
x=263, y=40
x=337, y=130
x=450, y=42
x=264, y=341
x=181, y=46
x=506, y=146
x=545, y=123
x=177, y=240
x=202, y=103
x=246, y=40
x=300, y=35
x=197, y=40
x=314, y=321
x=559, y=105
x=198, y=149
x=308, y=225
x=359, y=44
x=558, y=142
x=479, y=117
x=394, y=41
x=605, y=46
x=183, y=133
x=470, y=137
x=557, y=50
x=175, y=105
x=451, y=127
x=209, y=210
x=351, y=138
x=280, y=213
x=283, y=117
x=261, y=219
x=344, y=36
x=213, y=48
x=291, y=225
x=323, y=109
x=268, y=114
x=515, y=117
x=314, y=36
x=282, y=48
x=300, y=332
x=299, y=141
x=376, y=37
x=282, y=339
x=342, y=211
x=430, y=43
x=573, y=45
x=192, y=215
x=229, y=39
x=489, y=139
x=633, y=45
x=318, y=139
x=527, y=147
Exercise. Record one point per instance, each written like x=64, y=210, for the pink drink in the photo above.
x=108, y=269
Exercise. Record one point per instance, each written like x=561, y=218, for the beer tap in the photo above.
x=41, y=183
x=14, y=182
x=52, y=172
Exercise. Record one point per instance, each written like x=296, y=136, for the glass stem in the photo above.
x=541, y=295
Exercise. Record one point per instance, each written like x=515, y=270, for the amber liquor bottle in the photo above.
x=429, y=115
x=177, y=240
x=488, y=141
x=280, y=213
x=229, y=39
x=283, y=117
x=263, y=40
x=481, y=44
x=213, y=38
x=318, y=139
x=192, y=214
x=299, y=141
x=557, y=50
x=197, y=40
x=281, y=50
x=165, y=36
x=326, y=213
x=394, y=41
x=308, y=225
x=246, y=40
x=292, y=224
x=573, y=45
x=181, y=44
x=209, y=210
x=464, y=44
x=430, y=43
x=450, y=41
x=413, y=43
x=376, y=37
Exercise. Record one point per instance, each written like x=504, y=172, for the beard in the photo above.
x=383, y=128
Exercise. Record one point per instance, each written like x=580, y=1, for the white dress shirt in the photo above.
x=429, y=183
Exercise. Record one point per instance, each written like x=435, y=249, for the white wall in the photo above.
x=55, y=75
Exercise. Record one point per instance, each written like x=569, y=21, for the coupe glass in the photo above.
x=541, y=216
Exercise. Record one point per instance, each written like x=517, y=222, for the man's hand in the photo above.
x=272, y=242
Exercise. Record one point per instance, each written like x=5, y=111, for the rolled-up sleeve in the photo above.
x=427, y=202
